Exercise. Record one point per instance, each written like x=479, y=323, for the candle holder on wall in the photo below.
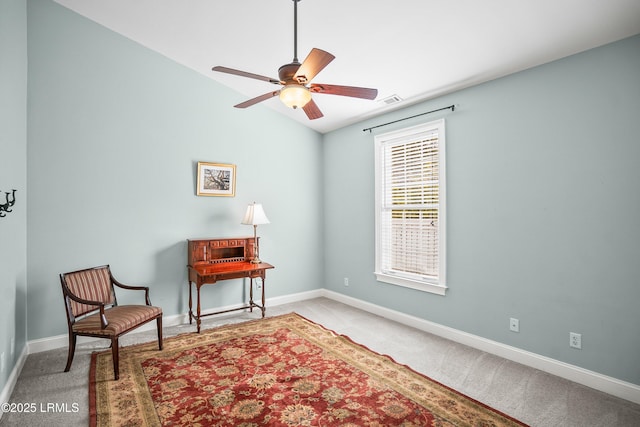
x=6, y=207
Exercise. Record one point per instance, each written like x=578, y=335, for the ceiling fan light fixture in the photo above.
x=295, y=96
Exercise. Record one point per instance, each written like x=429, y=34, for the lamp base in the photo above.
x=256, y=261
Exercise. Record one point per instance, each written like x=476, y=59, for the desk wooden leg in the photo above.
x=190, y=305
x=264, y=307
x=251, y=294
x=198, y=308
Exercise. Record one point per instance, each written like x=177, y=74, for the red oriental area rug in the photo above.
x=279, y=371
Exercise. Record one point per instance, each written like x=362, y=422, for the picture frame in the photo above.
x=216, y=179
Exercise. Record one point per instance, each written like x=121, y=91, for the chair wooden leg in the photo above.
x=159, y=321
x=115, y=355
x=72, y=351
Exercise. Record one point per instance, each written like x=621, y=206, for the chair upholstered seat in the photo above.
x=120, y=319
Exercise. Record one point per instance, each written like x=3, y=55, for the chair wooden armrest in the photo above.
x=85, y=301
x=103, y=319
x=134, y=288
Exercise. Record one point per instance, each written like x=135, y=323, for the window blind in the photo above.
x=409, y=208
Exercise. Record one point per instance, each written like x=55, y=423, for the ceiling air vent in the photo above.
x=391, y=99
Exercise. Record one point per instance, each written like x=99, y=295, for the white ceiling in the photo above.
x=416, y=49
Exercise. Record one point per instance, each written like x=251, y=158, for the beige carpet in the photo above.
x=532, y=396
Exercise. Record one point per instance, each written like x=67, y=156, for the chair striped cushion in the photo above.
x=93, y=284
x=120, y=318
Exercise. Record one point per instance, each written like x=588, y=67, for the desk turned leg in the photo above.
x=190, y=305
x=198, y=308
x=251, y=294
x=264, y=307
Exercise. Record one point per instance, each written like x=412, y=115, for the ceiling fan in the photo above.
x=296, y=78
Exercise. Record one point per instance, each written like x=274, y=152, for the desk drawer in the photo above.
x=230, y=243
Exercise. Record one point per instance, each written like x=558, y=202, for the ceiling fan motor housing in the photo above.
x=287, y=73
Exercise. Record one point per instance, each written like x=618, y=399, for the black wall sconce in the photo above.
x=6, y=207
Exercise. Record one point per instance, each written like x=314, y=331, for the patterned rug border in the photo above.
x=420, y=374
x=93, y=412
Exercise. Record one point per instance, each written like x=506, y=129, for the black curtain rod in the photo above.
x=452, y=107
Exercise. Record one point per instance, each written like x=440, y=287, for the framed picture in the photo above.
x=216, y=179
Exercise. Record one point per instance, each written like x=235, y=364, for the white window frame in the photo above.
x=434, y=284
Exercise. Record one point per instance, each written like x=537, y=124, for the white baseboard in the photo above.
x=301, y=296
x=13, y=377
x=58, y=341
x=606, y=384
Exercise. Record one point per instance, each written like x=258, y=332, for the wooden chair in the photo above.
x=92, y=310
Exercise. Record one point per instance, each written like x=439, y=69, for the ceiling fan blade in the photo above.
x=257, y=99
x=312, y=110
x=312, y=65
x=245, y=74
x=355, y=92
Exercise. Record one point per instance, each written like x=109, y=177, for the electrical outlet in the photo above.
x=514, y=325
x=575, y=340
x=346, y=281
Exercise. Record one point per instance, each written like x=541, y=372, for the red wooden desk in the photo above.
x=204, y=274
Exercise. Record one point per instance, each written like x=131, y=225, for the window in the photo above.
x=410, y=207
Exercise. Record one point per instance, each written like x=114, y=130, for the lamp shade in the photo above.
x=295, y=96
x=255, y=215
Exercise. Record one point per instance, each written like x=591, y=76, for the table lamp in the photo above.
x=254, y=216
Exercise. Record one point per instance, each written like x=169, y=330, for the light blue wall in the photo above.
x=543, y=184
x=13, y=175
x=542, y=179
x=115, y=132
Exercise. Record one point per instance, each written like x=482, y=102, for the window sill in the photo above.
x=413, y=284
